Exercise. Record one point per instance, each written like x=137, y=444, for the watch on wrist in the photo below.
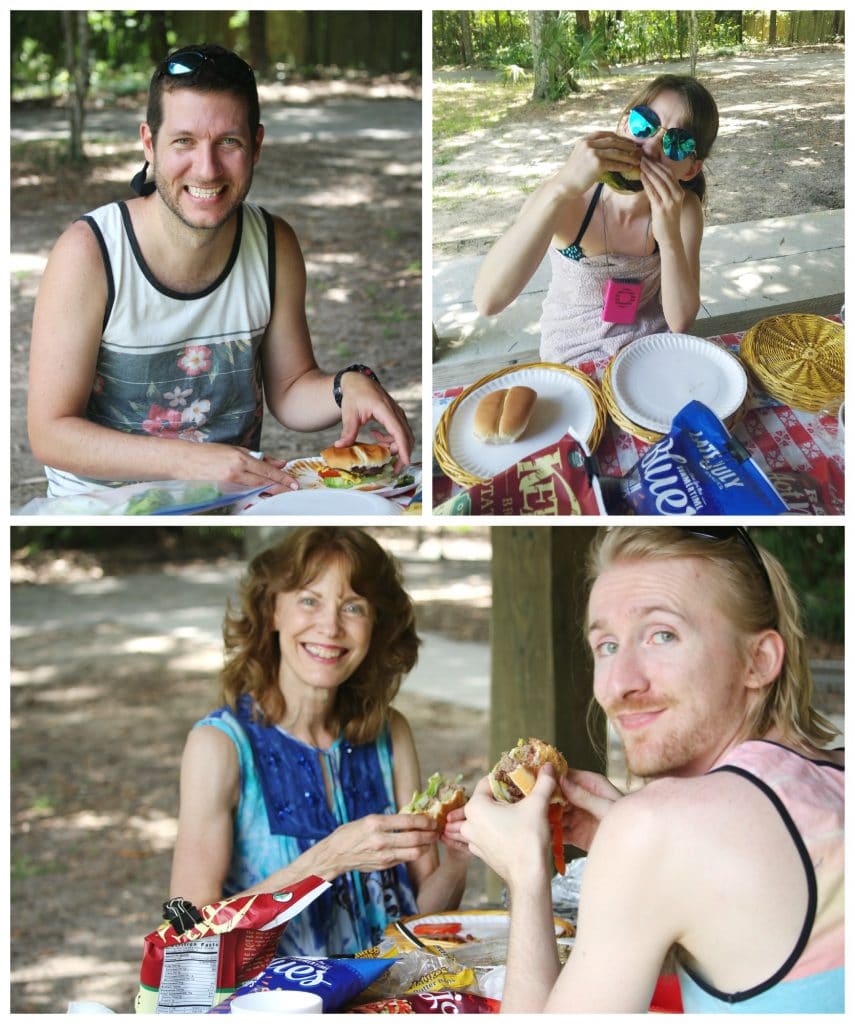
x=353, y=368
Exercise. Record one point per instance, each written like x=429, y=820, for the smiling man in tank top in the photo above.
x=164, y=323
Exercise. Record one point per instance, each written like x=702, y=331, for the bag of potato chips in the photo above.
x=197, y=958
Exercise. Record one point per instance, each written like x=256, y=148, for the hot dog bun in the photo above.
x=502, y=416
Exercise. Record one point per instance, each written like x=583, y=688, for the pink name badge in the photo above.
x=620, y=301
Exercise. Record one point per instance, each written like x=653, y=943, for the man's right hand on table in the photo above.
x=227, y=463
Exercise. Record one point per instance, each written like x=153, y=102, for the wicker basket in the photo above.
x=797, y=358
x=441, y=451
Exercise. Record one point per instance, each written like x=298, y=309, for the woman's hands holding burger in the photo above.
x=593, y=156
x=377, y=842
x=666, y=196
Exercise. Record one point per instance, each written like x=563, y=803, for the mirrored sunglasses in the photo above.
x=186, y=62
x=643, y=122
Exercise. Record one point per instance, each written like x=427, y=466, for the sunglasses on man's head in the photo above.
x=741, y=535
x=187, y=62
x=676, y=142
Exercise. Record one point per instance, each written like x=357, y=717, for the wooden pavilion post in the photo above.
x=541, y=668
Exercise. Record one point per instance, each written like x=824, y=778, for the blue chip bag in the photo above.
x=697, y=469
x=336, y=981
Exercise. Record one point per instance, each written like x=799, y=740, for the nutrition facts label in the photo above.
x=188, y=983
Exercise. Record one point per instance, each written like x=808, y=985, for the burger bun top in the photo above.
x=356, y=455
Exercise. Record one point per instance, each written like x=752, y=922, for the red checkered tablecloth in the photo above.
x=780, y=439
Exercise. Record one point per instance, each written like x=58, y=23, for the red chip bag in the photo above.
x=191, y=971
x=433, y=1002
x=559, y=480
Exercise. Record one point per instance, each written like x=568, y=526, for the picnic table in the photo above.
x=779, y=438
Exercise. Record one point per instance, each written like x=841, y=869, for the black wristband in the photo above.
x=354, y=368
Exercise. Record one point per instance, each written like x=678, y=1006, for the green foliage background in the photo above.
x=124, y=45
x=501, y=38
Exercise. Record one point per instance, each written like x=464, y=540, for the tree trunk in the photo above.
x=838, y=24
x=544, y=71
x=158, y=40
x=465, y=36
x=693, y=41
x=258, y=55
x=773, y=28
x=76, y=25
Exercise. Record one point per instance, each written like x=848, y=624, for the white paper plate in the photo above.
x=305, y=472
x=563, y=403
x=481, y=925
x=654, y=377
x=323, y=503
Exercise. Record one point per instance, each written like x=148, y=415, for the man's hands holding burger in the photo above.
x=512, y=839
x=529, y=797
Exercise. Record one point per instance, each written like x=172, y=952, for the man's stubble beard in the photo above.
x=174, y=207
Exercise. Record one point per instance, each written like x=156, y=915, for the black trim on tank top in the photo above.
x=162, y=288
x=271, y=256
x=108, y=268
x=810, y=914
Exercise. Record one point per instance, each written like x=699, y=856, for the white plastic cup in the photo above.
x=277, y=1001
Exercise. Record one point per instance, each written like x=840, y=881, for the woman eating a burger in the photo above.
x=622, y=221
x=303, y=769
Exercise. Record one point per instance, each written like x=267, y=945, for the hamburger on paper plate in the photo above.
x=514, y=775
x=367, y=466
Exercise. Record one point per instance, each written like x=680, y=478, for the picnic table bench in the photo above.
x=749, y=271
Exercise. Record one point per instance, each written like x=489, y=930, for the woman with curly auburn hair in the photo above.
x=303, y=769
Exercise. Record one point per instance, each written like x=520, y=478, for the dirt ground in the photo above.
x=351, y=190
x=779, y=150
x=114, y=657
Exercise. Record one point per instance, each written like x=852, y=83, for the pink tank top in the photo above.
x=808, y=795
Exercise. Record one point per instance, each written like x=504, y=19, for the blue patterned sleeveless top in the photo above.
x=283, y=810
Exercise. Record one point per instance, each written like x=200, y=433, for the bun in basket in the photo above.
x=515, y=773
x=502, y=416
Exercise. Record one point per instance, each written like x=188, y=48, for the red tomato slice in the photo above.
x=436, y=931
x=555, y=816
